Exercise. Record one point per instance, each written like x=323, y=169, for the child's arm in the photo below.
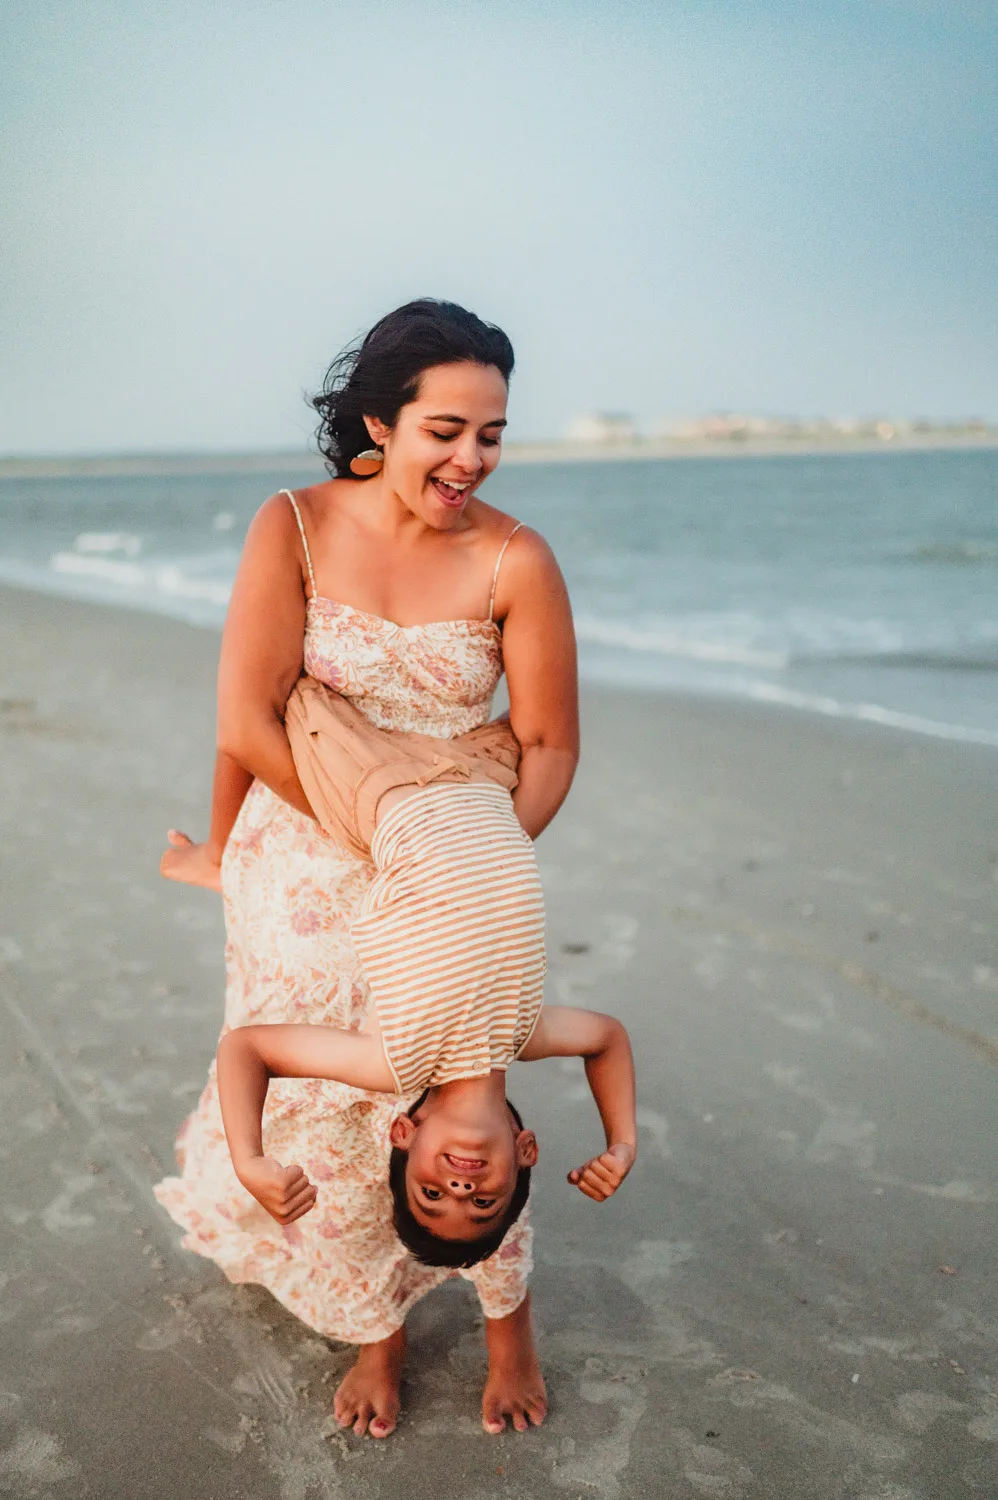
x=201, y=864
x=563, y=1031
x=248, y=1058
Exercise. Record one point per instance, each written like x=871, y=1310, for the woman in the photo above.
x=409, y=595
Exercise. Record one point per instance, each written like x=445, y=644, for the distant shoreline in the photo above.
x=141, y=465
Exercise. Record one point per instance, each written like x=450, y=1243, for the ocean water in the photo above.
x=861, y=585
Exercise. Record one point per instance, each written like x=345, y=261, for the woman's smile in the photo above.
x=451, y=492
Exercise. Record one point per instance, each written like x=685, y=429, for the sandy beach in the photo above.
x=793, y=1296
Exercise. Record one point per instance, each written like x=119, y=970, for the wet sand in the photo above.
x=792, y=1296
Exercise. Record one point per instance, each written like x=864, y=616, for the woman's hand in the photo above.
x=600, y=1177
x=285, y=1192
x=193, y=864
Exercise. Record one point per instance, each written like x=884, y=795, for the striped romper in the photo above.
x=451, y=935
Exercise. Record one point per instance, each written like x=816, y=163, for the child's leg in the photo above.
x=392, y=798
x=515, y=1386
x=367, y=1398
x=201, y=864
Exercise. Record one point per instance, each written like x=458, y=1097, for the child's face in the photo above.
x=460, y=1174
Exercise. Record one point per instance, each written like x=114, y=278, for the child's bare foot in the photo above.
x=189, y=862
x=368, y=1396
x=515, y=1385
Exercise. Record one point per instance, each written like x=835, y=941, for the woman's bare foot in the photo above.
x=189, y=862
x=368, y=1395
x=515, y=1386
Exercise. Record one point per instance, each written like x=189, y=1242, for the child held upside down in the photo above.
x=451, y=939
x=372, y=1277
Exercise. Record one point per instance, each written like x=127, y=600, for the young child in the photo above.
x=461, y=1159
x=452, y=943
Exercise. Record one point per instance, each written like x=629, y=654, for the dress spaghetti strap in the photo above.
x=304, y=540
x=495, y=575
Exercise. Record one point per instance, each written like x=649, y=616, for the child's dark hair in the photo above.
x=379, y=375
x=429, y=1248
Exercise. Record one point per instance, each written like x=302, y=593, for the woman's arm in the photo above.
x=248, y=1058
x=229, y=786
x=261, y=661
x=538, y=644
x=201, y=864
x=563, y=1031
x=262, y=652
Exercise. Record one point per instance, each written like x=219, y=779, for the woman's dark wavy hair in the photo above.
x=429, y=1248
x=379, y=375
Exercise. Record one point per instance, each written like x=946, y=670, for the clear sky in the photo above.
x=671, y=207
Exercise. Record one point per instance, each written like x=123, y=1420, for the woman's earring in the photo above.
x=367, y=463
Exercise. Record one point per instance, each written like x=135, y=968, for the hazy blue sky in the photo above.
x=670, y=207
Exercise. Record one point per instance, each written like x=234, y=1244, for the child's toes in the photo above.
x=364, y=1416
x=493, y=1419
x=520, y=1421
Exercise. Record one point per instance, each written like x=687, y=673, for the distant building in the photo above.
x=619, y=431
x=603, y=429
x=726, y=427
x=735, y=427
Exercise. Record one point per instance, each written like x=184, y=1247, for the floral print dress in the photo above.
x=291, y=894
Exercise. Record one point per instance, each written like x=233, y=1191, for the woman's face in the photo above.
x=446, y=442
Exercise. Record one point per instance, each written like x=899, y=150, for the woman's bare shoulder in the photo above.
x=313, y=500
x=274, y=538
x=496, y=525
x=529, y=568
x=272, y=553
x=274, y=520
x=528, y=555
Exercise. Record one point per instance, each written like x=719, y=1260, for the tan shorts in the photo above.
x=347, y=765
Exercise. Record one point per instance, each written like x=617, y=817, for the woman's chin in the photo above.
x=438, y=513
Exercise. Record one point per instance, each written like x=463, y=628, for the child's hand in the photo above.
x=600, y=1178
x=189, y=862
x=285, y=1192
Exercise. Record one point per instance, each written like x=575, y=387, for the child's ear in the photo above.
x=402, y=1132
x=526, y=1149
